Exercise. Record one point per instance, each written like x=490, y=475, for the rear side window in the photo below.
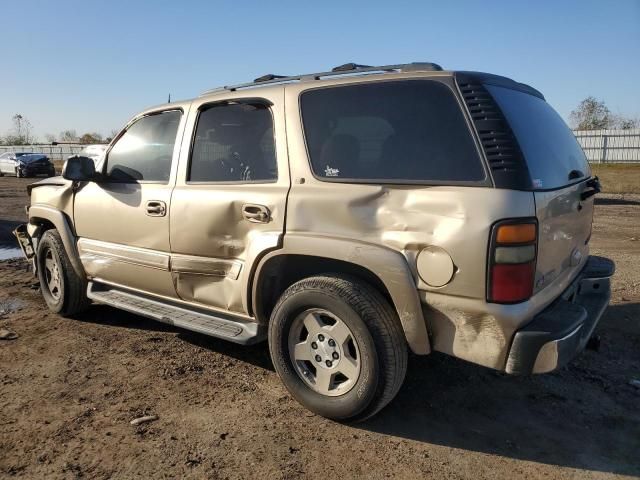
x=234, y=143
x=145, y=150
x=398, y=132
x=553, y=155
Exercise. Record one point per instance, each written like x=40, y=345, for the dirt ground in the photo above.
x=69, y=388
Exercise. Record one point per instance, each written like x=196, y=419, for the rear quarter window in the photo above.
x=553, y=155
x=389, y=132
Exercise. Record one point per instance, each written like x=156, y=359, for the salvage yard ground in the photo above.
x=70, y=387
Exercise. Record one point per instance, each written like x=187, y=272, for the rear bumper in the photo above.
x=561, y=331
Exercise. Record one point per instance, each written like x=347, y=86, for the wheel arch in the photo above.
x=383, y=268
x=43, y=218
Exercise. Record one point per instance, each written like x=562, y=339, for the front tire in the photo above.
x=338, y=347
x=63, y=290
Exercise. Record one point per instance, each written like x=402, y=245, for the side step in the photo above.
x=201, y=321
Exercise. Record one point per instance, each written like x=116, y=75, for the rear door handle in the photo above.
x=256, y=213
x=156, y=208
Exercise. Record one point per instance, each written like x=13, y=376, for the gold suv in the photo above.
x=347, y=217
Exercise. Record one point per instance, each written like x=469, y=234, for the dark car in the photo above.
x=25, y=164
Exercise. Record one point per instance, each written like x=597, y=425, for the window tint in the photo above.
x=145, y=150
x=234, y=142
x=553, y=154
x=394, y=131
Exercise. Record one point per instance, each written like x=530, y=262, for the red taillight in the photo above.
x=511, y=283
x=512, y=262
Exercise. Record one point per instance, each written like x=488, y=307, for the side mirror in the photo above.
x=79, y=169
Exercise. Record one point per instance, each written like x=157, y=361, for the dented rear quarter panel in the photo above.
x=406, y=219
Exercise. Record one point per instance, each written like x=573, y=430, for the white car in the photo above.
x=94, y=152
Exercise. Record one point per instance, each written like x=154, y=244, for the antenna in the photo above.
x=169, y=101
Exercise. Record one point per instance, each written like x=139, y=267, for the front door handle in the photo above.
x=256, y=213
x=156, y=208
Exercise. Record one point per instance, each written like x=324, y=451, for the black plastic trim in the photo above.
x=572, y=318
x=503, y=155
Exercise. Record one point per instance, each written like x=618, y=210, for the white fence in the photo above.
x=610, y=146
x=600, y=146
x=54, y=152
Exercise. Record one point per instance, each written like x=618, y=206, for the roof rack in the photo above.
x=346, y=69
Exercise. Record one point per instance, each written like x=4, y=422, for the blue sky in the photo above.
x=90, y=65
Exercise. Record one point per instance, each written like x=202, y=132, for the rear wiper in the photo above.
x=594, y=185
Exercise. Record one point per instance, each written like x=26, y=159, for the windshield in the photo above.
x=29, y=157
x=552, y=152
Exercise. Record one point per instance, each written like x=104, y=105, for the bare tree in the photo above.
x=94, y=137
x=50, y=138
x=22, y=131
x=626, y=123
x=111, y=135
x=68, y=136
x=591, y=114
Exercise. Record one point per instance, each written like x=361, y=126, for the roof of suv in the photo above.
x=353, y=69
x=350, y=71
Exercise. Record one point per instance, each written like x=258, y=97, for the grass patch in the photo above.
x=618, y=177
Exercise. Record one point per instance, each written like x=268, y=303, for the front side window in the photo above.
x=392, y=132
x=234, y=143
x=145, y=150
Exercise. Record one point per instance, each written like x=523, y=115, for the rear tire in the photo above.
x=63, y=290
x=374, y=355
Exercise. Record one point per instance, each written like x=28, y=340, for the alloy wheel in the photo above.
x=324, y=352
x=52, y=274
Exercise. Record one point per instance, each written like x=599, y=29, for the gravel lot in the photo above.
x=70, y=387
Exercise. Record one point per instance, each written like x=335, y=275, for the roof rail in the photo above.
x=346, y=69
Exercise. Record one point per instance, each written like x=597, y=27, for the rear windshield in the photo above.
x=398, y=132
x=551, y=151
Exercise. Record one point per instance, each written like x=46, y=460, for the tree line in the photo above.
x=593, y=114
x=590, y=114
x=22, y=134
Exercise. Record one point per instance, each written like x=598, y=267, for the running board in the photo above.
x=216, y=325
